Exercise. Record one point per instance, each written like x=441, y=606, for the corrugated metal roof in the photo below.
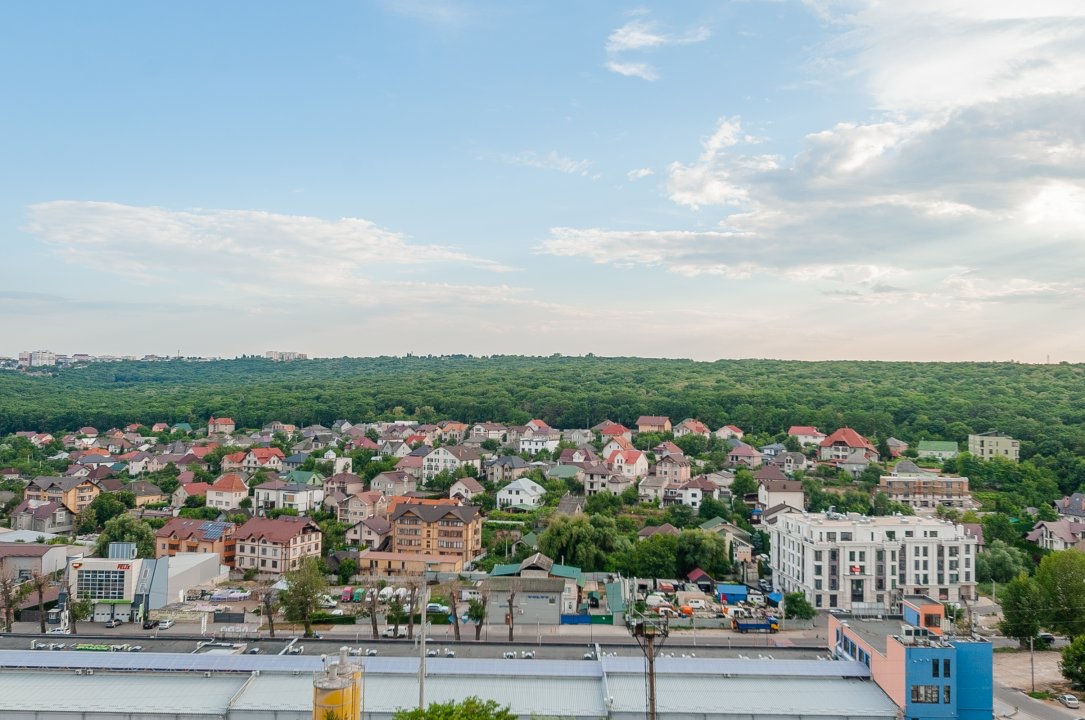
x=117, y=692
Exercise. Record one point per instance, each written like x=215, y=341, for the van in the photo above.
x=654, y=600
x=697, y=604
x=755, y=598
x=386, y=593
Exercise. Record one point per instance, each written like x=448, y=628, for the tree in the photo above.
x=412, y=609
x=1073, y=661
x=1061, y=579
x=106, y=507
x=79, y=609
x=743, y=484
x=797, y=606
x=1001, y=563
x=513, y=586
x=476, y=613
x=372, y=594
x=681, y=516
x=692, y=445
x=304, y=587
x=396, y=615
x=470, y=709
x=125, y=528
x=997, y=526
x=1021, y=609
x=12, y=593
x=39, y=583
x=700, y=549
x=348, y=568
x=269, y=601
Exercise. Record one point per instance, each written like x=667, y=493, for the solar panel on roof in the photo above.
x=213, y=530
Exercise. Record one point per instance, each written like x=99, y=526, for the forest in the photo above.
x=1042, y=405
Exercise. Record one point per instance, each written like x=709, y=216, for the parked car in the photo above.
x=113, y=623
x=1046, y=637
x=390, y=632
x=697, y=604
x=150, y=624
x=165, y=625
x=1068, y=700
x=437, y=608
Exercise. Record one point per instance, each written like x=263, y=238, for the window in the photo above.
x=927, y=694
x=945, y=669
x=934, y=668
x=945, y=693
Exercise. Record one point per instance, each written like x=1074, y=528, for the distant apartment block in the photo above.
x=37, y=358
x=993, y=444
x=285, y=355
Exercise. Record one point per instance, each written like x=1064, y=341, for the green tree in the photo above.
x=1061, y=579
x=348, y=568
x=1073, y=661
x=476, y=613
x=700, y=549
x=301, y=598
x=1001, y=562
x=997, y=526
x=12, y=593
x=797, y=606
x=582, y=540
x=743, y=484
x=681, y=516
x=106, y=507
x=470, y=709
x=692, y=445
x=125, y=528
x=396, y=615
x=1021, y=609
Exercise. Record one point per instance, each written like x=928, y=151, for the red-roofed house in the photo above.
x=160, y=427
x=653, y=423
x=192, y=489
x=615, y=443
x=690, y=426
x=615, y=430
x=270, y=458
x=274, y=546
x=233, y=461
x=806, y=434
x=220, y=425
x=841, y=444
x=631, y=463
x=730, y=431
x=745, y=456
x=227, y=492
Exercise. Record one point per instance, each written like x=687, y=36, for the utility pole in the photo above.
x=646, y=631
x=1032, y=663
x=424, y=592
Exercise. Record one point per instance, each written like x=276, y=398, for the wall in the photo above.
x=974, y=681
x=530, y=607
x=917, y=666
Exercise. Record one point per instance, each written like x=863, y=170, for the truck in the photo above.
x=359, y=595
x=755, y=625
x=347, y=594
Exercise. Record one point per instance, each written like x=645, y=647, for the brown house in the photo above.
x=437, y=530
x=274, y=546
x=653, y=423
x=74, y=493
x=181, y=535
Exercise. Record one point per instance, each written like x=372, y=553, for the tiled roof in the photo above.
x=281, y=529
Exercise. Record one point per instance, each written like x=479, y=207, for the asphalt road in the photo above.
x=1013, y=703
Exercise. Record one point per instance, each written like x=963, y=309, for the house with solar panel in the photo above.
x=192, y=535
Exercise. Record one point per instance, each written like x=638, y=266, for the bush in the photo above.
x=327, y=619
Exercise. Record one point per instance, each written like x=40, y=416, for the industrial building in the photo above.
x=63, y=685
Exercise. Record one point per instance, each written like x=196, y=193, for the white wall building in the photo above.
x=866, y=564
x=521, y=492
x=534, y=442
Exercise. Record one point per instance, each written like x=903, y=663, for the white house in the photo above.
x=631, y=463
x=806, y=434
x=533, y=442
x=278, y=494
x=521, y=492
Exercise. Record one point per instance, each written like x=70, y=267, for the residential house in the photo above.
x=923, y=490
x=395, y=448
x=394, y=482
x=546, y=590
x=806, y=434
x=146, y=493
x=44, y=517
x=771, y=493
x=571, y=504
x=691, y=492
x=855, y=463
x=505, y=468
x=277, y=494
x=667, y=448
x=1072, y=506
x=233, y=461
x=613, y=444
x=189, y=535
x=446, y=530
x=373, y=531
x=453, y=431
x=295, y=461
x=276, y=545
x=481, y=432
x=651, y=530
x=727, y=432
x=690, y=426
x=598, y=478
x=993, y=444
x=303, y=477
x=534, y=441
x=1061, y=534
x=74, y=493
x=610, y=431
x=841, y=443
x=450, y=458
x=651, y=489
x=675, y=468
x=739, y=542
x=346, y=483
x=631, y=463
x=578, y=437
x=362, y=505
x=227, y=492
x=743, y=455
x=412, y=464
x=791, y=462
x=653, y=423
x=940, y=449
x=896, y=446
x=521, y=493
x=222, y=425
x=465, y=489
x=267, y=458
x=193, y=489
x=581, y=454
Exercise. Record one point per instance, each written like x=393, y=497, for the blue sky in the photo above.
x=822, y=179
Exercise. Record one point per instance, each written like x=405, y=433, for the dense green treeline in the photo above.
x=1043, y=405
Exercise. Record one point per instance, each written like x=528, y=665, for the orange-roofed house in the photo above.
x=653, y=423
x=689, y=426
x=730, y=431
x=615, y=430
x=227, y=492
x=160, y=427
x=233, y=461
x=273, y=546
x=806, y=434
x=269, y=458
x=842, y=443
x=188, y=535
x=630, y=463
x=220, y=425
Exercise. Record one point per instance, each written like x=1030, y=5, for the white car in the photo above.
x=165, y=625
x=1068, y=700
x=697, y=604
x=390, y=632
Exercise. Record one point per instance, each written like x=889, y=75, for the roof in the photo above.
x=18, y=549
x=525, y=485
x=377, y=524
x=744, y=450
x=650, y=530
x=803, y=430
x=186, y=528
x=470, y=484
x=769, y=473
x=695, y=426
x=433, y=513
x=614, y=429
x=629, y=457
x=847, y=436
x=195, y=488
x=570, y=504
x=513, y=462
x=938, y=446
x=230, y=482
x=528, y=584
x=653, y=420
x=782, y=485
x=37, y=510
x=1072, y=505
x=142, y=487
x=279, y=530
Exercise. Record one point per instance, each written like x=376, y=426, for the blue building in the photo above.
x=929, y=675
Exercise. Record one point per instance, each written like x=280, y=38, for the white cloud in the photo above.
x=253, y=251
x=552, y=160
x=640, y=35
x=435, y=12
x=639, y=173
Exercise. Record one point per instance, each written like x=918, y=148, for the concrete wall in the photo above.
x=530, y=607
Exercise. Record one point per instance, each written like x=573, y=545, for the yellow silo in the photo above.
x=337, y=690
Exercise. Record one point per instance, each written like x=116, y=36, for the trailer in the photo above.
x=768, y=625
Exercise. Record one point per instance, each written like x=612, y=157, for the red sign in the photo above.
x=124, y=566
x=855, y=569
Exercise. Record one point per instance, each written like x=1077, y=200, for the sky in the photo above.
x=828, y=179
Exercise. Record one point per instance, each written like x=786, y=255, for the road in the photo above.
x=1011, y=703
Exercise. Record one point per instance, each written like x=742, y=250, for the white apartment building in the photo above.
x=866, y=564
x=994, y=444
x=534, y=442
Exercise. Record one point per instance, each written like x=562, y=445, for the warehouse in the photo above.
x=64, y=685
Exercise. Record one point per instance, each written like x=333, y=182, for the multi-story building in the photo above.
x=394, y=482
x=227, y=492
x=190, y=535
x=43, y=517
x=37, y=358
x=73, y=492
x=674, y=468
x=926, y=491
x=806, y=434
x=274, y=546
x=867, y=564
x=689, y=426
x=929, y=675
x=1061, y=534
x=424, y=529
x=294, y=496
x=994, y=444
x=450, y=458
x=268, y=458
x=532, y=441
x=653, y=423
x=841, y=444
